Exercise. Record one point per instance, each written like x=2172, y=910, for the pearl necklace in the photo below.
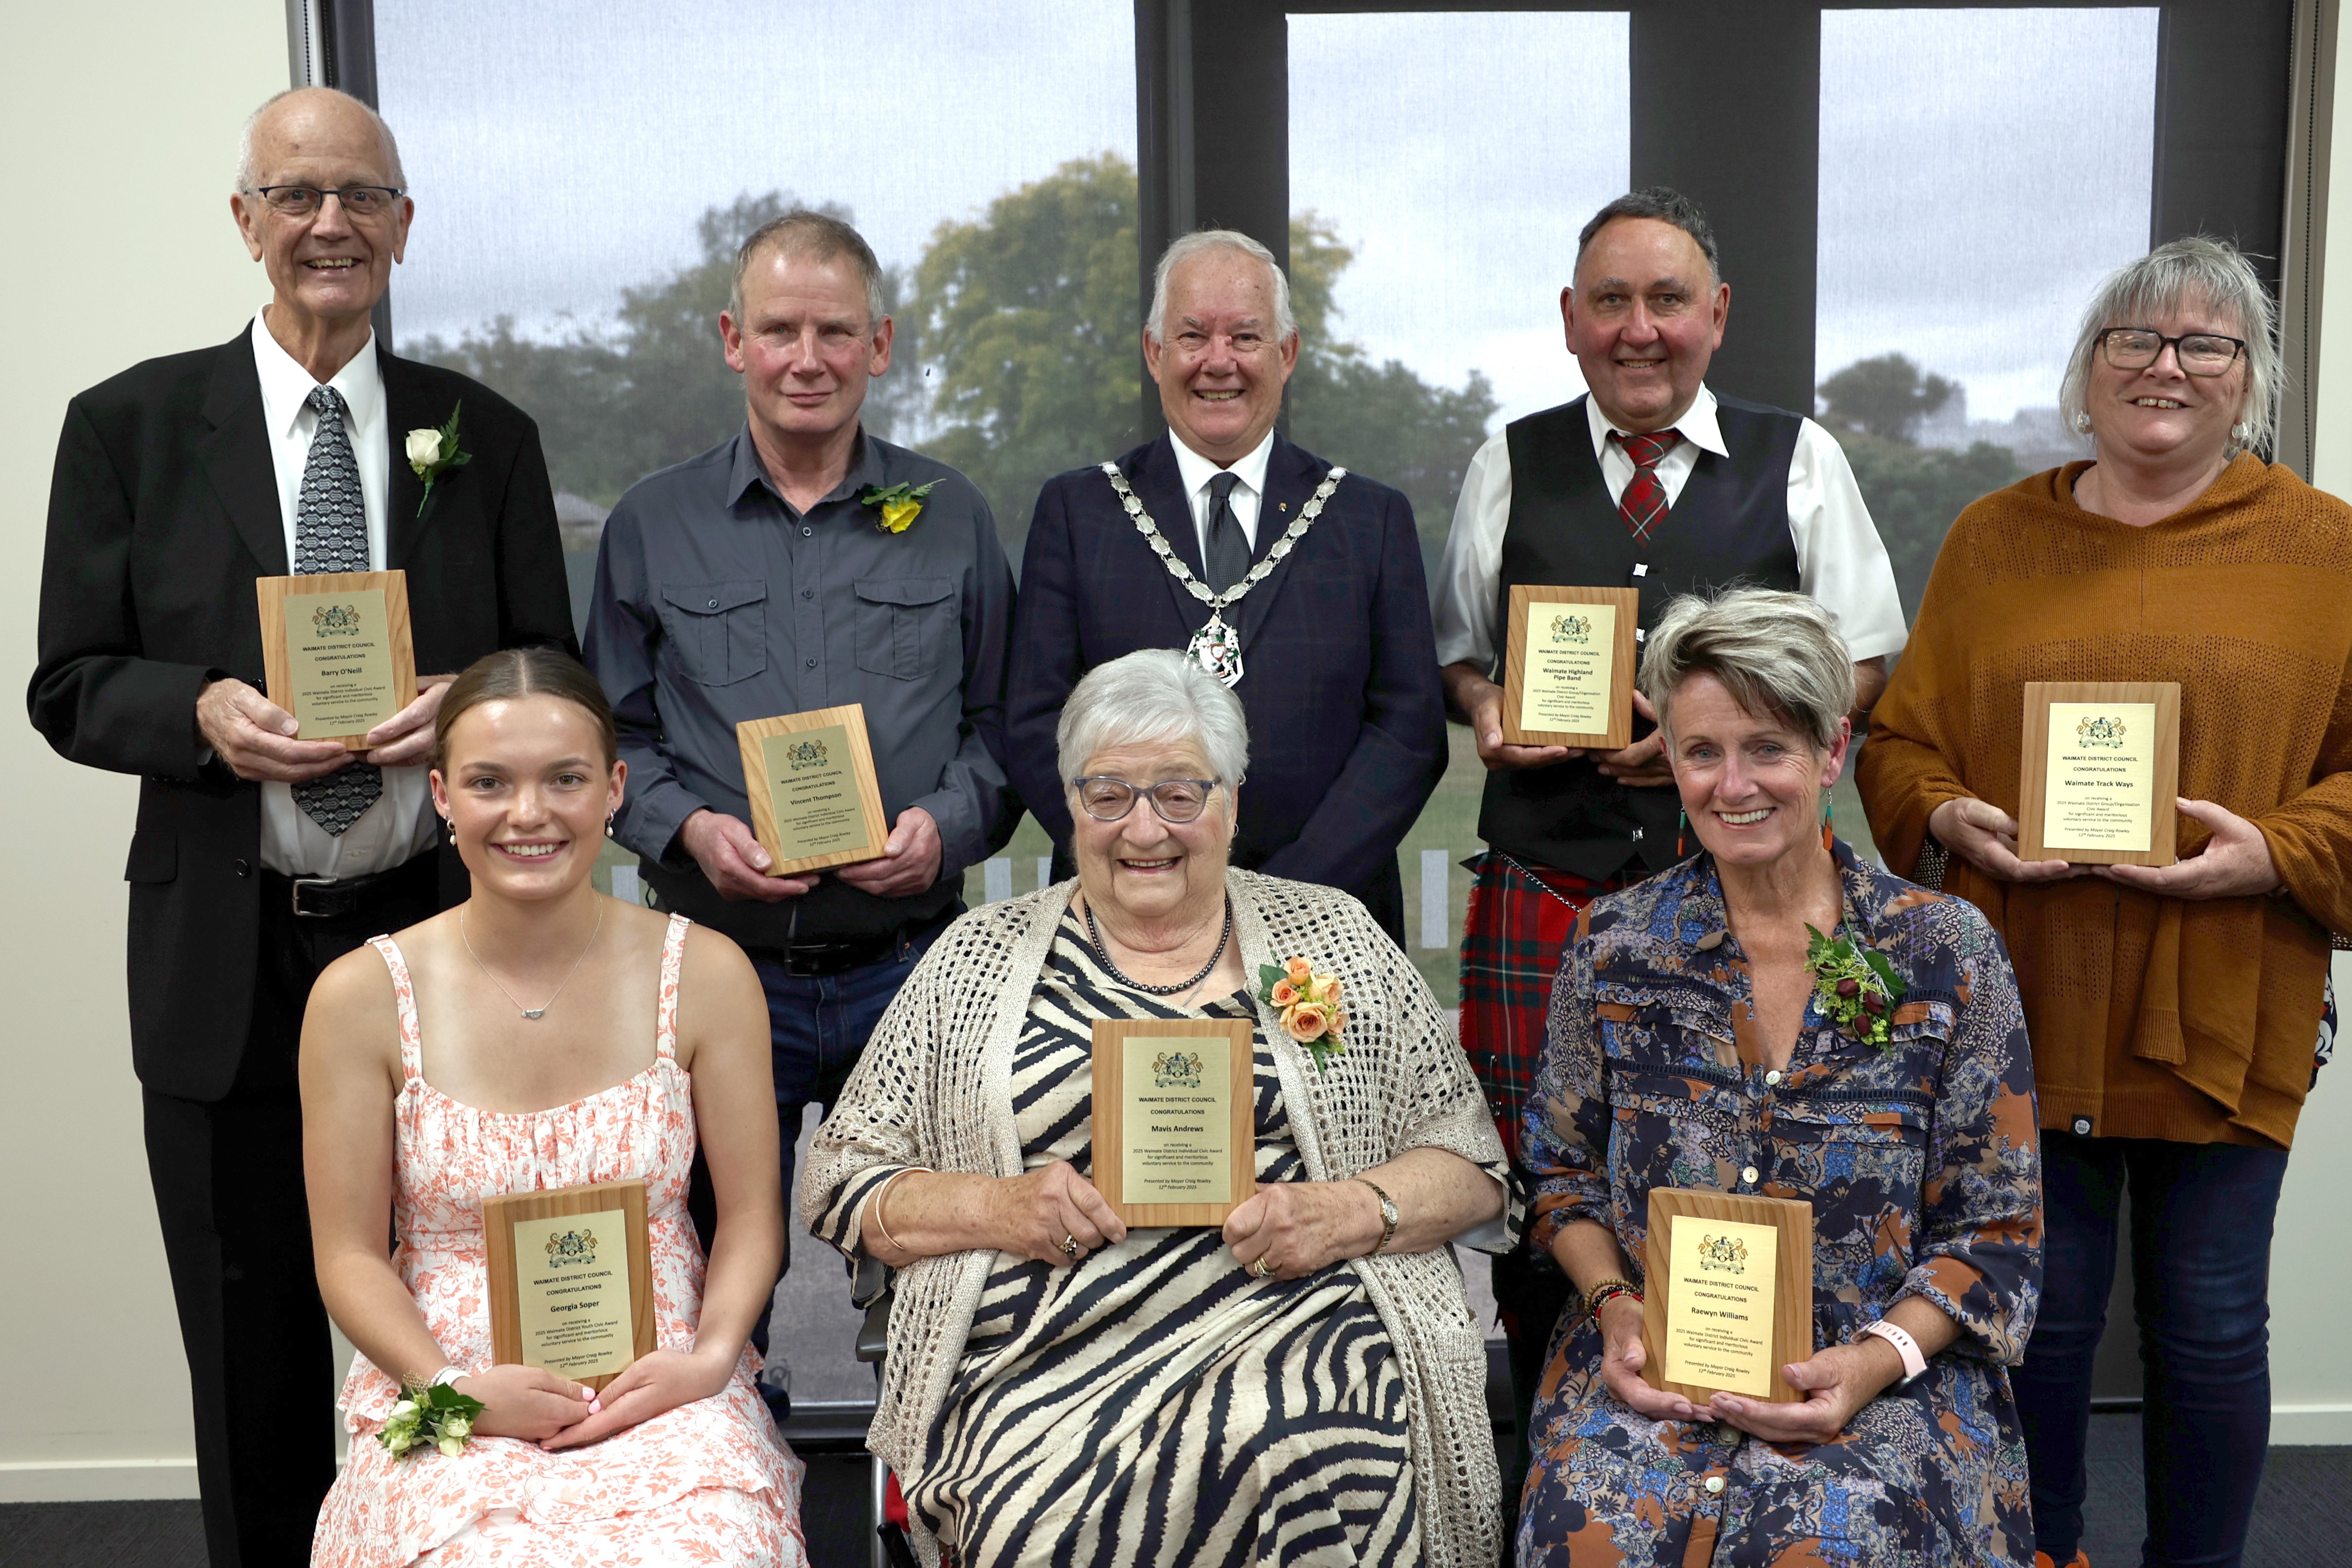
x=1094, y=933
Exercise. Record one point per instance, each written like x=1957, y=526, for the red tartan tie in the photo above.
x=1644, y=504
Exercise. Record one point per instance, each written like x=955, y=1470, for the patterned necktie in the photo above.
x=330, y=535
x=1644, y=504
x=1228, y=555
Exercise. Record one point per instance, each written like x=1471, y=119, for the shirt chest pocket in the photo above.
x=719, y=630
x=904, y=625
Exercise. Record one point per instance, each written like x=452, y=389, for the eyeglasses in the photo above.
x=304, y=201
x=2199, y=353
x=1108, y=799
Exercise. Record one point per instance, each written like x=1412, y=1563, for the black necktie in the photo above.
x=1228, y=554
x=330, y=535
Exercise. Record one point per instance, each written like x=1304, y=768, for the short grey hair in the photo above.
x=2197, y=270
x=1153, y=694
x=802, y=233
x=246, y=174
x=1665, y=205
x=1183, y=247
x=1778, y=655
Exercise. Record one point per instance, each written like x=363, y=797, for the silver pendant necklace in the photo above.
x=540, y=1011
x=1217, y=646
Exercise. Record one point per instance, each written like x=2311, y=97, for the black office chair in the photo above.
x=870, y=1288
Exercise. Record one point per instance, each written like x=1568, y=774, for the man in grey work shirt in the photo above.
x=758, y=579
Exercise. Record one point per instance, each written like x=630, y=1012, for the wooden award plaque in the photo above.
x=2097, y=786
x=1568, y=660
x=1175, y=1138
x=335, y=651
x=1705, y=1317
x=572, y=1281
x=814, y=799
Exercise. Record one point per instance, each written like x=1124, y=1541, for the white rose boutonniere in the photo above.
x=433, y=453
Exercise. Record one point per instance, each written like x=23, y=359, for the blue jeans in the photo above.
x=817, y=1027
x=2201, y=1249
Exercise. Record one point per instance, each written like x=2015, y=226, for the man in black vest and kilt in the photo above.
x=1650, y=481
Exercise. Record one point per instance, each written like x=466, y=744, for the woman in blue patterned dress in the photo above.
x=1695, y=1043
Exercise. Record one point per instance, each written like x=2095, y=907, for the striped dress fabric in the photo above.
x=1156, y=1404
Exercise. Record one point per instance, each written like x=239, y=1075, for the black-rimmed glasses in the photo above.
x=1108, y=799
x=2199, y=353
x=304, y=201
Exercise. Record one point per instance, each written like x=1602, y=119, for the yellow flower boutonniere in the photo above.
x=900, y=504
x=1309, y=1005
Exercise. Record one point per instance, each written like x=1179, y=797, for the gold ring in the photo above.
x=1069, y=1244
x=1263, y=1267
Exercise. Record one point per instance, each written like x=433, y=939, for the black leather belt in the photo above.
x=811, y=960
x=332, y=897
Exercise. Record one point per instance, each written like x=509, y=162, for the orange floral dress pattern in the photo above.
x=708, y=1482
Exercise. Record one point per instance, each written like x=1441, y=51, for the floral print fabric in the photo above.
x=1922, y=1163
x=707, y=1482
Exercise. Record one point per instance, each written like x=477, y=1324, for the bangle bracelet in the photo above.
x=882, y=1225
x=448, y=1377
x=1600, y=1295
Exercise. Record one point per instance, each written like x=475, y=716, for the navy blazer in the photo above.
x=1347, y=719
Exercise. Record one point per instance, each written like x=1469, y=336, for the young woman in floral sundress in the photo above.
x=539, y=1036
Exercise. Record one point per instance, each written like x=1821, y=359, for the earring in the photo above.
x=1828, y=806
x=608, y=824
x=451, y=824
x=2083, y=423
x=1682, y=833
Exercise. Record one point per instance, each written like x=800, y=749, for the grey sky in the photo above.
x=1979, y=169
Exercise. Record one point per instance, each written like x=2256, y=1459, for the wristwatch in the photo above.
x=1914, y=1363
x=1388, y=1216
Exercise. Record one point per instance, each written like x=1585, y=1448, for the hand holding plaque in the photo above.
x=1175, y=1123
x=571, y=1274
x=814, y=799
x=1728, y=1297
x=1567, y=666
x=2100, y=767
x=336, y=652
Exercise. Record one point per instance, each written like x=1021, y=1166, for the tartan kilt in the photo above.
x=1520, y=917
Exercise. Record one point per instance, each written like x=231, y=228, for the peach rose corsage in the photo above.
x=1309, y=1005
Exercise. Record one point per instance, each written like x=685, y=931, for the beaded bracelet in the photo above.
x=1600, y=1295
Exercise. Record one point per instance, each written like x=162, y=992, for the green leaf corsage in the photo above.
x=900, y=504
x=438, y=1416
x=1857, y=987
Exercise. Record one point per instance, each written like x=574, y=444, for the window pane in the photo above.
x=1440, y=165
x=1981, y=171
x=582, y=175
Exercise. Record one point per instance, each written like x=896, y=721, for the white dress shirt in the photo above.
x=1247, y=497
x=1841, y=562
x=401, y=823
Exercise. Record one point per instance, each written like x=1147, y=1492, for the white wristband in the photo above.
x=447, y=1375
x=1914, y=1363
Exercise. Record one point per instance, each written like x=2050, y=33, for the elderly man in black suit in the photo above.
x=1299, y=583
x=258, y=859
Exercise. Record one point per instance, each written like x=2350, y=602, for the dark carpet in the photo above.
x=2302, y=1519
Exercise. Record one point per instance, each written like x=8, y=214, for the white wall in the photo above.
x=119, y=121
x=99, y=275
x=2311, y=1277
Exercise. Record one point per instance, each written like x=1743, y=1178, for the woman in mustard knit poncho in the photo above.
x=2173, y=1012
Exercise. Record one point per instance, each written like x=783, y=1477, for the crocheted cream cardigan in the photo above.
x=933, y=1088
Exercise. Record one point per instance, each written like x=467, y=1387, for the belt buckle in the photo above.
x=298, y=884
x=802, y=968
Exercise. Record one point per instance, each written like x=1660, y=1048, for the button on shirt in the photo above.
x=400, y=824
x=1841, y=562
x=1248, y=495
x=717, y=601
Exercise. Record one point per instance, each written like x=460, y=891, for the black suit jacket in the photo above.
x=162, y=510
x=1347, y=719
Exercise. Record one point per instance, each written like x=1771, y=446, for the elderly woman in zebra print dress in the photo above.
x=1306, y=1387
